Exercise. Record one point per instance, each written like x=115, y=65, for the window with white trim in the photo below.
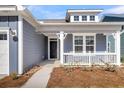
x=84, y=18
x=3, y=36
x=84, y=43
x=78, y=43
x=89, y=44
x=92, y=18
x=76, y=18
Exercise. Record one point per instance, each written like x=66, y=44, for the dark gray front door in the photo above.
x=53, y=49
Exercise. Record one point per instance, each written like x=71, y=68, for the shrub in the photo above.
x=122, y=59
x=14, y=76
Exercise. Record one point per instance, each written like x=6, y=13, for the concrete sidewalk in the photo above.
x=40, y=78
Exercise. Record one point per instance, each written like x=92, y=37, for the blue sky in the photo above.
x=59, y=11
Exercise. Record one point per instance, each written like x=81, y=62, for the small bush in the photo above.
x=122, y=59
x=14, y=76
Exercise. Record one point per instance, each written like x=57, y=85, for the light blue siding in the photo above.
x=122, y=45
x=68, y=43
x=33, y=46
x=112, y=43
x=100, y=42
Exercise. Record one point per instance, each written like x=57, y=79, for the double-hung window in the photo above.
x=84, y=43
x=92, y=18
x=76, y=18
x=78, y=44
x=3, y=36
x=89, y=44
x=84, y=18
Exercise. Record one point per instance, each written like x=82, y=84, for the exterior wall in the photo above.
x=88, y=14
x=68, y=43
x=112, y=43
x=12, y=22
x=100, y=42
x=46, y=47
x=33, y=46
x=122, y=45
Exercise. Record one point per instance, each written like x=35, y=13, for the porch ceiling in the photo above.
x=79, y=27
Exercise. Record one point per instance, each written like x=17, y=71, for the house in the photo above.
x=81, y=38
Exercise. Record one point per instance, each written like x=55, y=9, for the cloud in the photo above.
x=42, y=12
x=116, y=10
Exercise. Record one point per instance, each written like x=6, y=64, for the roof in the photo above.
x=87, y=23
x=84, y=10
x=52, y=21
x=15, y=10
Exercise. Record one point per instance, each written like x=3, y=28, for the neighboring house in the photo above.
x=81, y=38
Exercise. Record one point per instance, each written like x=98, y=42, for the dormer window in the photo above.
x=92, y=18
x=84, y=18
x=76, y=18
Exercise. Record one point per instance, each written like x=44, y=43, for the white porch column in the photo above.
x=61, y=46
x=61, y=36
x=20, y=45
x=117, y=47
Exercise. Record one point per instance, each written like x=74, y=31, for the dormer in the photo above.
x=82, y=15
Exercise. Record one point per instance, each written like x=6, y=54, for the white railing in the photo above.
x=89, y=58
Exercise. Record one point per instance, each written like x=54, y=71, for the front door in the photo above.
x=53, y=49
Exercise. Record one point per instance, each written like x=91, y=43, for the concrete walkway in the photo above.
x=40, y=78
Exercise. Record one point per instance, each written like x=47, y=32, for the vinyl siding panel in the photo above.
x=112, y=43
x=122, y=45
x=100, y=42
x=46, y=47
x=33, y=46
x=68, y=43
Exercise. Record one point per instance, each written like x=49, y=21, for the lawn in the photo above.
x=12, y=81
x=62, y=77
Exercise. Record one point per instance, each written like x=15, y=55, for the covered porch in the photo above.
x=84, y=44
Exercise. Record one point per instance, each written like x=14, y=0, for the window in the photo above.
x=92, y=18
x=84, y=43
x=76, y=18
x=3, y=36
x=78, y=43
x=89, y=43
x=84, y=18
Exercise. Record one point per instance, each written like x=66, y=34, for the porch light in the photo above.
x=13, y=33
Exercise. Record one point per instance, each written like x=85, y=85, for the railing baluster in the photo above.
x=88, y=59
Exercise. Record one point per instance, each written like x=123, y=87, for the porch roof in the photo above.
x=92, y=27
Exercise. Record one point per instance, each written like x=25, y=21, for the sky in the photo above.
x=59, y=11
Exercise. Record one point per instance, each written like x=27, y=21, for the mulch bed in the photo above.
x=78, y=77
x=8, y=81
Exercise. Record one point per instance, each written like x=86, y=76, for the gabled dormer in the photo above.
x=82, y=15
